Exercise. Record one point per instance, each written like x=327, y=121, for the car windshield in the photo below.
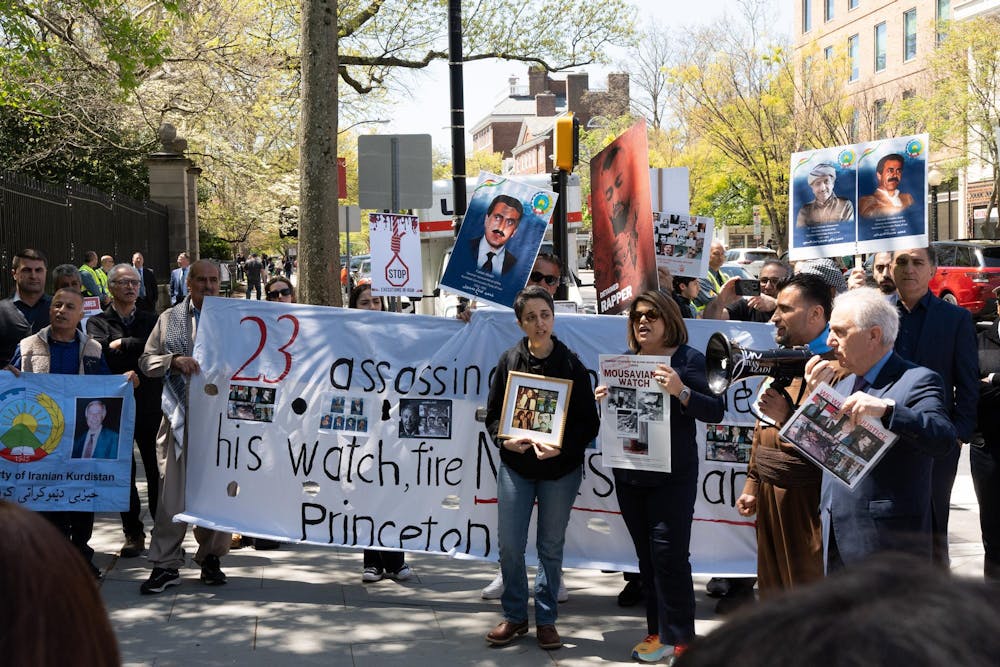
x=759, y=256
x=991, y=256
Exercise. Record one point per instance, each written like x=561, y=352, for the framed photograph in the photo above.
x=534, y=406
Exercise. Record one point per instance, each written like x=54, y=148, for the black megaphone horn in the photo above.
x=726, y=363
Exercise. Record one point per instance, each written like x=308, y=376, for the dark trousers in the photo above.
x=146, y=427
x=385, y=561
x=659, y=520
x=942, y=481
x=252, y=287
x=984, y=463
x=77, y=527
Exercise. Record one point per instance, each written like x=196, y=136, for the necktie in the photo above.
x=488, y=264
x=88, y=451
x=860, y=384
x=184, y=282
x=142, y=285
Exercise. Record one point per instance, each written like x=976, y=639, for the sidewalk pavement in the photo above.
x=305, y=605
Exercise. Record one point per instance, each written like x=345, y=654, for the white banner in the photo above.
x=66, y=441
x=414, y=470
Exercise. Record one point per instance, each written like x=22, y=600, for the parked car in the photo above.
x=967, y=273
x=751, y=259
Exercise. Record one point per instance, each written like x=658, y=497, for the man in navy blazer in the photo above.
x=98, y=441
x=890, y=510
x=148, y=295
x=178, y=279
x=939, y=336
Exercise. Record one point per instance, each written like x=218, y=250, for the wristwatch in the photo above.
x=684, y=395
x=890, y=410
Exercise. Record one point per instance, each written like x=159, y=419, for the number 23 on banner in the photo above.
x=283, y=350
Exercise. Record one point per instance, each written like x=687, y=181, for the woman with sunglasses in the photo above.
x=658, y=507
x=280, y=290
x=378, y=563
x=532, y=471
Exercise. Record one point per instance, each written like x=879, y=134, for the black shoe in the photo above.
x=158, y=581
x=631, y=595
x=134, y=545
x=211, y=571
x=739, y=597
x=260, y=544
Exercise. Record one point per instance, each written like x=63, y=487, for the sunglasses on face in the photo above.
x=651, y=315
x=274, y=294
x=537, y=277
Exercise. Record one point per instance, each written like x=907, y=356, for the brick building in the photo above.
x=519, y=126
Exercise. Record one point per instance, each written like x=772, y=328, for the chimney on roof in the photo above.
x=538, y=81
x=545, y=105
x=513, y=85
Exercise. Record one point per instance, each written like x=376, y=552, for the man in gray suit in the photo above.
x=890, y=510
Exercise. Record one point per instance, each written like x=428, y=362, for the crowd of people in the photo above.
x=900, y=355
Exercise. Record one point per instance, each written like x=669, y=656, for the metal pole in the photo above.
x=455, y=59
x=394, y=302
x=560, y=233
x=934, y=213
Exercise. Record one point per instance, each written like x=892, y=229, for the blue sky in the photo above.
x=427, y=112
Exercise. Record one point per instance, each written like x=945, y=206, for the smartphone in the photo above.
x=748, y=287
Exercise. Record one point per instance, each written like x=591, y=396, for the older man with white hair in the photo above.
x=890, y=510
x=826, y=207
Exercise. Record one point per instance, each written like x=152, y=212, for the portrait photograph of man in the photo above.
x=888, y=198
x=826, y=206
x=97, y=429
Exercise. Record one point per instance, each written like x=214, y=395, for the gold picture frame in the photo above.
x=534, y=406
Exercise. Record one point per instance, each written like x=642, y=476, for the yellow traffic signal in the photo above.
x=567, y=142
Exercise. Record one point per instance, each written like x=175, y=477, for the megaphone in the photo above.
x=726, y=363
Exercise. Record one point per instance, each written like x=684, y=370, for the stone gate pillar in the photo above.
x=173, y=183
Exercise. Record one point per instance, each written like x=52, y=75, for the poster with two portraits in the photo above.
x=861, y=198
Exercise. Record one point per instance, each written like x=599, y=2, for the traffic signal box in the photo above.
x=567, y=142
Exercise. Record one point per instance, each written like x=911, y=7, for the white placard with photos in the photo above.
x=682, y=242
x=534, y=406
x=635, y=416
x=827, y=438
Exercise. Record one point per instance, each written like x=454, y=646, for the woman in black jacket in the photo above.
x=658, y=507
x=531, y=471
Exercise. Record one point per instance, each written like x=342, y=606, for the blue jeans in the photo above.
x=516, y=500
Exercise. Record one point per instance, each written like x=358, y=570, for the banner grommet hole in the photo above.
x=232, y=489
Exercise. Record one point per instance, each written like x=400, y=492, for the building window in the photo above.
x=827, y=10
x=828, y=53
x=910, y=35
x=943, y=14
x=852, y=4
x=852, y=54
x=880, y=47
x=880, y=119
x=807, y=15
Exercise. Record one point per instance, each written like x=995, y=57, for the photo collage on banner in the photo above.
x=682, y=243
x=499, y=239
x=861, y=198
x=347, y=413
x=251, y=403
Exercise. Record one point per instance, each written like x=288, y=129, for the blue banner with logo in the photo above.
x=66, y=441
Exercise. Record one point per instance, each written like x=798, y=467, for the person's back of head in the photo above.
x=52, y=613
x=890, y=610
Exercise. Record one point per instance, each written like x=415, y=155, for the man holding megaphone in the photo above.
x=783, y=487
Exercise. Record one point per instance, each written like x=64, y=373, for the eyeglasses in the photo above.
x=651, y=315
x=774, y=281
x=126, y=283
x=538, y=277
x=274, y=294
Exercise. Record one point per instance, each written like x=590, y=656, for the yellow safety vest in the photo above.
x=99, y=277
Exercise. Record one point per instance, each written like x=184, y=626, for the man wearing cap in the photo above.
x=826, y=207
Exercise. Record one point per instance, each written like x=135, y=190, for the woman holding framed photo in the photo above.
x=531, y=470
x=658, y=507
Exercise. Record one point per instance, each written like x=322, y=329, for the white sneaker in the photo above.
x=371, y=574
x=402, y=574
x=495, y=588
x=563, y=593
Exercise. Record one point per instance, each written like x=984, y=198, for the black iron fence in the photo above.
x=65, y=221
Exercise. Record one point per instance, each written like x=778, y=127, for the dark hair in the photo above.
x=813, y=289
x=785, y=266
x=552, y=258
x=52, y=612
x=533, y=292
x=352, y=300
x=509, y=201
x=675, y=331
x=89, y=256
x=681, y=282
x=279, y=279
x=609, y=159
x=885, y=158
x=891, y=609
x=68, y=290
x=28, y=253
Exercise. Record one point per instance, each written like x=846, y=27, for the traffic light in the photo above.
x=567, y=142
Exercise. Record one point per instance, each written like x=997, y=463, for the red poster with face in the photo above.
x=624, y=261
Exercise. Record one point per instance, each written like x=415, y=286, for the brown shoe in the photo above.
x=548, y=638
x=506, y=632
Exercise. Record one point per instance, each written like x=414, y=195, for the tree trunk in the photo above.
x=319, y=231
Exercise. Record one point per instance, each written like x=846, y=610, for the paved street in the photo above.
x=306, y=605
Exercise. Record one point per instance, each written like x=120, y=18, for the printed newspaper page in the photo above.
x=848, y=453
x=635, y=417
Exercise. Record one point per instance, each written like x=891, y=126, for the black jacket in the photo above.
x=989, y=394
x=582, y=419
x=108, y=326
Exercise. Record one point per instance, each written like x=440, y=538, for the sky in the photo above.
x=486, y=81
